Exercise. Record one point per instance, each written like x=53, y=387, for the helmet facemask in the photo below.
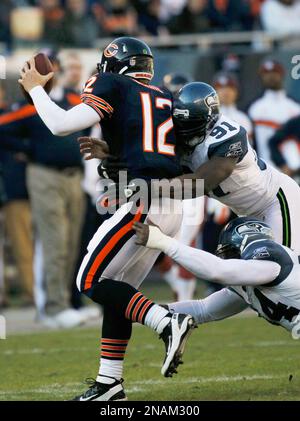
x=190, y=133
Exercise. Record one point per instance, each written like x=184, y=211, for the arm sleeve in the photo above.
x=220, y=305
x=207, y=266
x=59, y=121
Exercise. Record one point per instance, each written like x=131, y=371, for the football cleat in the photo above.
x=175, y=336
x=103, y=392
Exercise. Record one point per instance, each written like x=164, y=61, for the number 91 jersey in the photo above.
x=136, y=122
x=252, y=186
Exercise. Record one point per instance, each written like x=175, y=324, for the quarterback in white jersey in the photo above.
x=219, y=152
x=257, y=272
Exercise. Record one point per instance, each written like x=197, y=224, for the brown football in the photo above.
x=43, y=66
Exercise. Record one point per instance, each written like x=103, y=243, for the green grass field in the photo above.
x=237, y=359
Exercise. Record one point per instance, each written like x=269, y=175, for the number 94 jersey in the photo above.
x=278, y=301
x=136, y=123
x=252, y=186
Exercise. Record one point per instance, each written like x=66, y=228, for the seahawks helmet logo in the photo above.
x=252, y=228
x=212, y=100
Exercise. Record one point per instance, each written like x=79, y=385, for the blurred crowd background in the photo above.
x=247, y=49
x=79, y=23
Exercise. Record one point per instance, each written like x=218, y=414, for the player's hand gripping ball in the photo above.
x=38, y=71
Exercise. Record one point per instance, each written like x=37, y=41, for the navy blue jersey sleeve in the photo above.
x=101, y=93
x=289, y=130
x=271, y=251
x=233, y=147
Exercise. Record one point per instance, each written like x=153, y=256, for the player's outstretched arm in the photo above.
x=205, y=265
x=59, y=121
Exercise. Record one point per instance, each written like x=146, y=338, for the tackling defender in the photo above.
x=136, y=122
x=219, y=152
x=257, y=271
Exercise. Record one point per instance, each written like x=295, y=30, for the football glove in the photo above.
x=110, y=167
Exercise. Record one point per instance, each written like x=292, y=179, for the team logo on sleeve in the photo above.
x=111, y=50
x=234, y=150
x=260, y=253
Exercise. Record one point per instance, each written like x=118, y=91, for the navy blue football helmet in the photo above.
x=240, y=232
x=196, y=109
x=128, y=56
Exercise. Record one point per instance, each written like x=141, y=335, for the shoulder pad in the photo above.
x=101, y=93
x=235, y=146
x=273, y=252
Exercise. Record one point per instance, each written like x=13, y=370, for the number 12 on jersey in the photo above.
x=161, y=131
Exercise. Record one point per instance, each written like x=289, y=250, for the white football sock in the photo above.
x=156, y=318
x=110, y=368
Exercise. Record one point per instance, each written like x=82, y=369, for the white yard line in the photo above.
x=139, y=386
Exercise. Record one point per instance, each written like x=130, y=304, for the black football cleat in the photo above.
x=175, y=336
x=103, y=392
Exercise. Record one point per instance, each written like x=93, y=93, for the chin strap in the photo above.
x=140, y=75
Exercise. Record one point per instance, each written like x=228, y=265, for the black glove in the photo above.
x=110, y=168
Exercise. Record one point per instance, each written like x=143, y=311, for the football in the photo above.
x=43, y=66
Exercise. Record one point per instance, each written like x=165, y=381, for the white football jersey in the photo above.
x=279, y=301
x=253, y=185
x=268, y=113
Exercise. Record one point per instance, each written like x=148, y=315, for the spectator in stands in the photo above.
x=5, y=9
x=227, y=87
x=281, y=16
x=54, y=31
x=170, y=8
x=285, y=148
x=231, y=15
x=116, y=18
x=80, y=28
x=72, y=71
x=54, y=178
x=272, y=109
x=17, y=213
x=193, y=19
x=149, y=18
